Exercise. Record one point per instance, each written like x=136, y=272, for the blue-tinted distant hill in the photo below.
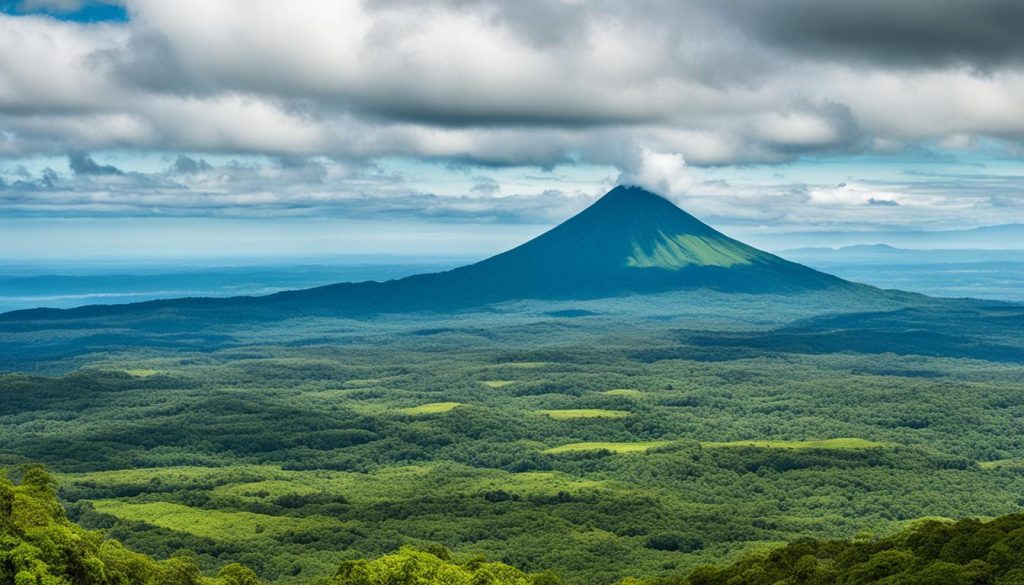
x=971, y=273
x=885, y=254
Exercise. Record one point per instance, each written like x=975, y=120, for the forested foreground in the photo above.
x=40, y=546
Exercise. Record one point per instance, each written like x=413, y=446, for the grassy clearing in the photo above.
x=627, y=392
x=185, y=477
x=525, y=365
x=633, y=447
x=431, y=408
x=833, y=444
x=497, y=383
x=363, y=382
x=215, y=524
x=263, y=491
x=532, y=483
x=228, y=487
x=576, y=413
x=141, y=372
x=1002, y=464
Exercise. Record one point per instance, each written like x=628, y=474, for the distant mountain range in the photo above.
x=631, y=241
x=996, y=237
x=69, y=288
x=886, y=254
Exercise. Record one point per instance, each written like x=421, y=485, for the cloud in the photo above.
x=82, y=164
x=656, y=89
x=982, y=34
x=663, y=173
x=187, y=166
x=714, y=83
x=190, y=186
x=485, y=186
x=279, y=187
x=883, y=202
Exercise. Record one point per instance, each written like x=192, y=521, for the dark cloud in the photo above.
x=83, y=164
x=485, y=186
x=187, y=165
x=21, y=182
x=883, y=202
x=917, y=33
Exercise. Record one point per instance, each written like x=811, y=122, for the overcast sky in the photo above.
x=440, y=118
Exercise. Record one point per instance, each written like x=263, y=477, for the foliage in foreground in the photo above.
x=951, y=553
x=418, y=567
x=39, y=546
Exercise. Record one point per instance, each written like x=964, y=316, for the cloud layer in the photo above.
x=507, y=83
x=651, y=88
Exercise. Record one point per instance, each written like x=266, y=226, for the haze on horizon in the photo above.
x=196, y=128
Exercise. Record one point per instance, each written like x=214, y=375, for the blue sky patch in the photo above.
x=69, y=10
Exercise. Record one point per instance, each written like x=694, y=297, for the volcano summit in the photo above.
x=633, y=241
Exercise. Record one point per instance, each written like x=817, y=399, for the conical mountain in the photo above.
x=631, y=241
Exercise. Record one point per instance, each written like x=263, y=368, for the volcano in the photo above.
x=633, y=241
x=629, y=242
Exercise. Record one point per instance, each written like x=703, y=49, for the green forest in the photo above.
x=569, y=444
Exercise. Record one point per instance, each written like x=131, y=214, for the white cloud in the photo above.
x=437, y=79
x=660, y=172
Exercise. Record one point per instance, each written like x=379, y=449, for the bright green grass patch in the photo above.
x=575, y=413
x=141, y=372
x=834, y=444
x=525, y=365
x=672, y=252
x=369, y=408
x=360, y=383
x=1002, y=464
x=431, y=408
x=263, y=484
x=215, y=524
x=627, y=392
x=185, y=477
x=497, y=383
x=264, y=491
x=633, y=447
x=532, y=483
